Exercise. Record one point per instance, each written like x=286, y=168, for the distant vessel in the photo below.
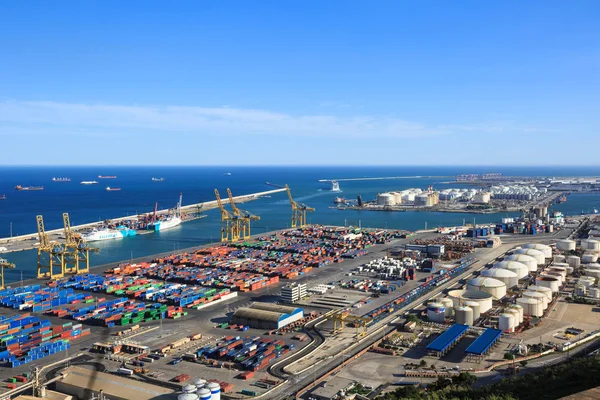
x=2, y=197
x=61, y=179
x=335, y=186
x=595, y=211
x=96, y=235
x=227, y=174
x=158, y=179
x=109, y=189
x=89, y=182
x=107, y=177
x=170, y=222
x=339, y=200
x=19, y=187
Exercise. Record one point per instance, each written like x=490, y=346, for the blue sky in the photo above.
x=300, y=82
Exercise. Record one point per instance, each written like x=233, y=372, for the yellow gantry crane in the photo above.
x=50, y=254
x=298, y=211
x=76, y=250
x=243, y=218
x=4, y=264
x=341, y=317
x=229, y=225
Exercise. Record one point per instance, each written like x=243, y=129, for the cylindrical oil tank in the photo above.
x=506, y=322
x=549, y=281
x=464, y=315
x=587, y=281
x=519, y=312
x=589, y=258
x=570, y=270
x=547, y=250
x=566, y=245
x=574, y=261
x=436, y=312
x=546, y=291
x=539, y=257
x=507, y=276
x=558, y=258
x=514, y=313
x=459, y=297
x=385, y=199
x=593, y=265
x=525, y=259
x=447, y=303
x=592, y=272
x=476, y=307
x=593, y=245
x=537, y=295
x=552, y=274
x=398, y=197
x=562, y=271
x=187, y=396
x=515, y=266
x=489, y=285
x=215, y=390
x=594, y=293
x=204, y=394
x=200, y=383
x=532, y=307
x=189, y=389
x=580, y=290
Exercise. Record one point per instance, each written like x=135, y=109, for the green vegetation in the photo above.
x=523, y=363
x=509, y=356
x=547, y=384
x=359, y=389
x=412, y=318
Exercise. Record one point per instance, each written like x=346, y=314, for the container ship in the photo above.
x=109, y=189
x=170, y=222
x=89, y=182
x=96, y=235
x=19, y=187
x=61, y=179
x=107, y=177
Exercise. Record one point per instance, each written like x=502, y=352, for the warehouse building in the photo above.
x=293, y=292
x=82, y=383
x=267, y=315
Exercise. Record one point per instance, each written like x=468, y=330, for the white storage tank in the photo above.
x=574, y=261
x=594, y=293
x=460, y=297
x=593, y=245
x=464, y=315
x=549, y=281
x=562, y=271
x=580, y=290
x=506, y=322
x=397, y=197
x=531, y=307
x=476, y=307
x=507, y=276
x=546, y=291
x=489, y=285
x=436, y=312
x=592, y=272
x=515, y=266
x=385, y=199
x=570, y=270
x=586, y=281
x=447, y=303
x=515, y=308
x=187, y=396
x=189, y=389
x=566, y=245
x=525, y=259
x=547, y=250
x=514, y=313
x=539, y=257
x=589, y=258
x=215, y=390
x=551, y=274
x=204, y=394
x=559, y=259
x=539, y=296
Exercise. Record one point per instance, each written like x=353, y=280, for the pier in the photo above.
x=30, y=241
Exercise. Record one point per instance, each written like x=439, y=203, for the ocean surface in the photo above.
x=139, y=194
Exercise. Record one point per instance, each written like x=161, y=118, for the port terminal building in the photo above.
x=267, y=315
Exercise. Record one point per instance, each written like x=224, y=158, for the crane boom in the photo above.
x=5, y=264
x=229, y=224
x=243, y=218
x=299, y=210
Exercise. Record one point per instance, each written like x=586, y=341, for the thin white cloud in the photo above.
x=213, y=120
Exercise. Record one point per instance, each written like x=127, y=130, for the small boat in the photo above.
x=19, y=187
x=109, y=189
x=227, y=174
x=158, y=179
x=107, y=177
x=2, y=197
x=61, y=179
x=89, y=182
x=339, y=200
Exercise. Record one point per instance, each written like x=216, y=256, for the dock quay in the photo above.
x=29, y=241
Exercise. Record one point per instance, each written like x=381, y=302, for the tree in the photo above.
x=412, y=318
x=523, y=363
x=464, y=379
x=423, y=363
x=509, y=356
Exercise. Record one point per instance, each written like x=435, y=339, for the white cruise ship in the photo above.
x=89, y=182
x=170, y=222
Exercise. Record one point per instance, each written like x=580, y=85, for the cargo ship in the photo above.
x=2, y=197
x=89, y=182
x=169, y=222
x=109, y=189
x=96, y=235
x=107, y=177
x=61, y=179
x=158, y=179
x=19, y=187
